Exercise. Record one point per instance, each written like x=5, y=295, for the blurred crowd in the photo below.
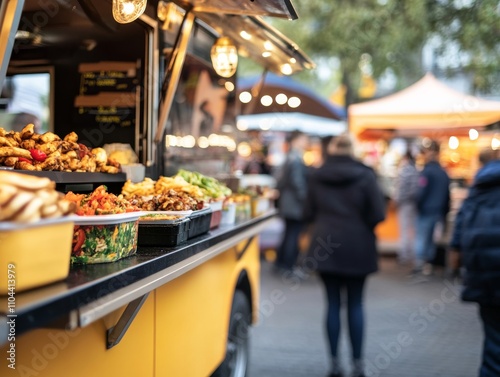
x=339, y=204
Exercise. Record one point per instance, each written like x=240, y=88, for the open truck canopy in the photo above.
x=65, y=35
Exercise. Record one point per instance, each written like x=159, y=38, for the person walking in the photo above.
x=405, y=198
x=344, y=204
x=292, y=187
x=476, y=240
x=433, y=204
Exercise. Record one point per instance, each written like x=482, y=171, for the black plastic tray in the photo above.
x=81, y=182
x=153, y=233
x=199, y=222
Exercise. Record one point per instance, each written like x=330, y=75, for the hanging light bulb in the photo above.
x=125, y=11
x=224, y=56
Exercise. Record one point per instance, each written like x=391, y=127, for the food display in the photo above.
x=35, y=233
x=28, y=150
x=100, y=202
x=210, y=186
x=165, y=194
x=107, y=227
x=260, y=197
x=243, y=210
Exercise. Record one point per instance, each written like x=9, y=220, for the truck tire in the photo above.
x=235, y=363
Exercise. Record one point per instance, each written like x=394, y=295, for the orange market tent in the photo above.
x=426, y=107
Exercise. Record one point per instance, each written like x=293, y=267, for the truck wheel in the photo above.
x=235, y=363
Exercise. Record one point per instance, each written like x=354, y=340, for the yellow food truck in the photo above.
x=136, y=73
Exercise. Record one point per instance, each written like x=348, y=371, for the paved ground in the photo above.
x=414, y=328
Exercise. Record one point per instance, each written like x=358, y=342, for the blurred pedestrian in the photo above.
x=433, y=204
x=292, y=187
x=405, y=198
x=476, y=239
x=344, y=204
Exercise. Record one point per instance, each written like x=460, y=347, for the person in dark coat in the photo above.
x=292, y=187
x=476, y=237
x=433, y=204
x=344, y=204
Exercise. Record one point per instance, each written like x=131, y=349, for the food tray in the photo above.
x=200, y=222
x=104, y=238
x=149, y=216
x=39, y=251
x=163, y=232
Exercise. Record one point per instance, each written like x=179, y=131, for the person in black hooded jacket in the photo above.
x=344, y=203
x=476, y=236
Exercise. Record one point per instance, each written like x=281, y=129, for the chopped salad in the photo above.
x=100, y=202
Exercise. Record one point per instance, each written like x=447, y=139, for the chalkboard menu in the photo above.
x=101, y=77
x=107, y=107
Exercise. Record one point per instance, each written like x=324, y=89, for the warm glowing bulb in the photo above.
x=245, y=35
x=244, y=149
x=224, y=55
x=203, y=142
x=229, y=86
x=453, y=143
x=286, y=69
x=245, y=97
x=294, y=102
x=281, y=99
x=125, y=11
x=268, y=45
x=242, y=125
x=266, y=100
x=495, y=143
x=188, y=141
x=473, y=134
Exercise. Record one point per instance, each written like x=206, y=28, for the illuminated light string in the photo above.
x=266, y=100
x=189, y=141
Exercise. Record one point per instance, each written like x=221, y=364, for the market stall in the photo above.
x=428, y=108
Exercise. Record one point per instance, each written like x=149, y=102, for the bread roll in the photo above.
x=25, y=181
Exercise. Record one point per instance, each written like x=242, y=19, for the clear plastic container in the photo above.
x=105, y=238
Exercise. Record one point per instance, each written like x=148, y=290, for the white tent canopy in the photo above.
x=286, y=122
x=426, y=105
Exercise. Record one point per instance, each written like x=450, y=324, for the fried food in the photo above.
x=25, y=182
x=26, y=199
x=166, y=194
x=14, y=152
x=27, y=150
x=144, y=188
x=28, y=131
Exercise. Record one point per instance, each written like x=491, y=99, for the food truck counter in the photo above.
x=92, y=291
